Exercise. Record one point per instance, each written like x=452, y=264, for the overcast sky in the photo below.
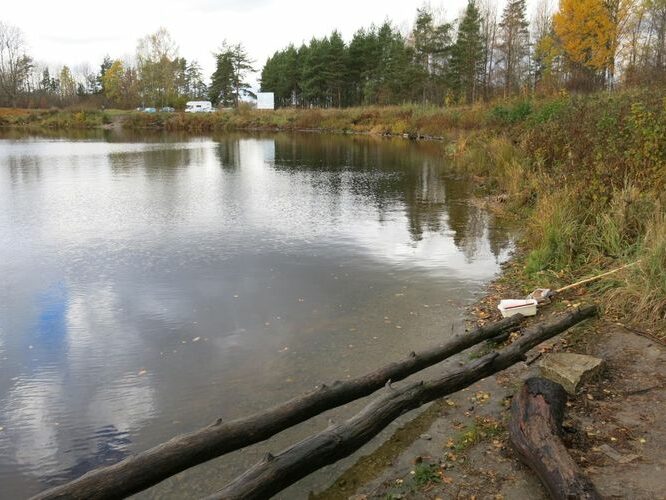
x=76, y=31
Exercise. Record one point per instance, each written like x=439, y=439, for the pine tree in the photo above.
x=228, y=80
x=432, y=43
x=467, y=55
x=336, y=68
x=513, y=46
x=221, y=90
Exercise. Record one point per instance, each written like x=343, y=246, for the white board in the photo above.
x=265, y=100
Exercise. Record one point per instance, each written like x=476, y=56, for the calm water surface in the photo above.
x=151, y=285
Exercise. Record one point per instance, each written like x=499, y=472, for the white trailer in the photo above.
x=199, y=107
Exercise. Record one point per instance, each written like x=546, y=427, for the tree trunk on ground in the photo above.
x=148, y=468
x=275, y=473
x=534, y=433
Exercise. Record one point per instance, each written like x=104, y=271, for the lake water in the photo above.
x=149, y=285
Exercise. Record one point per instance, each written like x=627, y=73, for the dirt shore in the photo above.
x=458, y=447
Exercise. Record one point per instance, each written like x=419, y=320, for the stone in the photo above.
x=611, y=452
x=570, y=370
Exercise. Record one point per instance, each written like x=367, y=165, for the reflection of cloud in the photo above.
x=29, y=422
x=55, y=416
x=124, y=404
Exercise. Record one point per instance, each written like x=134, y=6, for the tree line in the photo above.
x=582, y=45
x=155, y=77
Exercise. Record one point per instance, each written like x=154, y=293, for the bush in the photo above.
x=509, y=115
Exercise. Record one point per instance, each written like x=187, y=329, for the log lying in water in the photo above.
x=141, y=471
x=534, y=433
x=274, y=473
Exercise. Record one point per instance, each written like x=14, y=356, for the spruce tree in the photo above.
x=467, y=57
x=514, y=44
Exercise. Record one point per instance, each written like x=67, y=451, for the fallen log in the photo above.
x=141, y=471
x=274, y=473
x=534, y=433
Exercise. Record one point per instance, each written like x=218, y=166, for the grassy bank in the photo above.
x=587, y=177
x=54, y=118
x=395, y=120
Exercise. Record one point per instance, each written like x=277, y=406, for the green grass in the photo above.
x=425, y=474
x=481, y=430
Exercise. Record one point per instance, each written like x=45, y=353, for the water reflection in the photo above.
x=146, y=278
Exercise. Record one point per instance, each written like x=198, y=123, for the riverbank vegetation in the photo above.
x=587, y=178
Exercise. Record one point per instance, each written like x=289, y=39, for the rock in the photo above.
x=426, y=437
x=570, y=370
x=616, y=455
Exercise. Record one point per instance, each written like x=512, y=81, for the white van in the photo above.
x=199, y=107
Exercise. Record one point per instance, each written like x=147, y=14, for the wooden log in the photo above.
x=534, y=433
x=274, y=473
x=148, y=468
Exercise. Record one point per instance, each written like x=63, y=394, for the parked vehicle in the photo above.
x=167, y=109
x=149, y=110
x=199, y=107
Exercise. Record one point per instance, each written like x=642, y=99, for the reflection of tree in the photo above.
x=24, y=168
x=228, y=153
x=395, y=175
x=424, y=199
x=498, y=236
x=112, y=446
x=470, y=224
x=392, y=173
x=152, y=162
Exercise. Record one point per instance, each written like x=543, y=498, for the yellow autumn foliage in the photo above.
x=586, y=31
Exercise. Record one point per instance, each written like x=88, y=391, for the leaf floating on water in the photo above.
x=196, y=339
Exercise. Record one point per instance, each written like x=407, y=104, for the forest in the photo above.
x=482, y=54
x=584, y=45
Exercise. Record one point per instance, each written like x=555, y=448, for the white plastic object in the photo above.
x=509, y=307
